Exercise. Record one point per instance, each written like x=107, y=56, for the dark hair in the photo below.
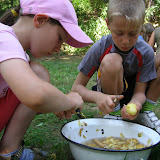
x=55, y=21
x=10, y=16
x=149, y=29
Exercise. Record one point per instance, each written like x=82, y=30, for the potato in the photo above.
x=131, y=109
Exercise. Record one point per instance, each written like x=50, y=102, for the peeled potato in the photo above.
x=131, y=109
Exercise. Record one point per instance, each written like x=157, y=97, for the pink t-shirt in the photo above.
x=10, y=48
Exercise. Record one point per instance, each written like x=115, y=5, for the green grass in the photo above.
x=44, y=131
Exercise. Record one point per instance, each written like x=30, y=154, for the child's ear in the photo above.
x=40, y=20
x=107, y=23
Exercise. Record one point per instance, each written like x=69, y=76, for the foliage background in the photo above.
x=91, y=17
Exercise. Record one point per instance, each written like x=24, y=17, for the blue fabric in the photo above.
x=27, y=154
x=8, y=154
x=140, y=37
x=150, y=101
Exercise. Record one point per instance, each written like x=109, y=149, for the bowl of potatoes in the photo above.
x=100, y=139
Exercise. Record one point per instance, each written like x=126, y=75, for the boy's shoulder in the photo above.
x=143, y=47
x=102, y=44
x=107, y=38
x=105, y=41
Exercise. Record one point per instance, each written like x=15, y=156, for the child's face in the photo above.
x=124, y=36
x=47, y=40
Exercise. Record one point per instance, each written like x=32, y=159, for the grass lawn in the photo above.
x=44, y=132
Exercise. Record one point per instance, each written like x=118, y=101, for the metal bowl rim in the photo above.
x=107, y=150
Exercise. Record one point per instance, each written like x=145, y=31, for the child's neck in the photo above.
x=22, y=30
x=124, y=52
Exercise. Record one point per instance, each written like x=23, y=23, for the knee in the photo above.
x=40, y=71
x=112, y=63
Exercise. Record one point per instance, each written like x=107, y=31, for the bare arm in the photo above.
x=104, y=102
x=139, y=93
x=138, y=98
x=152, y=39
x=34, y=92
x=80, y=87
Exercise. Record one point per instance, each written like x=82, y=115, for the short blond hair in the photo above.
x=132, y=10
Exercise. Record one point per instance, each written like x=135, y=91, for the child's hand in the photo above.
x=60, y=115
x=126, y=115
x=76, y=102
x=106, y=103
x=65, y=114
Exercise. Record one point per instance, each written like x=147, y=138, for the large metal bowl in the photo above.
x=78, y=131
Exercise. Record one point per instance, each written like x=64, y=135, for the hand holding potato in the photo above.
x=131, y=110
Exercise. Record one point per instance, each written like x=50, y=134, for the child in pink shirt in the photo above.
x=25, y=87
